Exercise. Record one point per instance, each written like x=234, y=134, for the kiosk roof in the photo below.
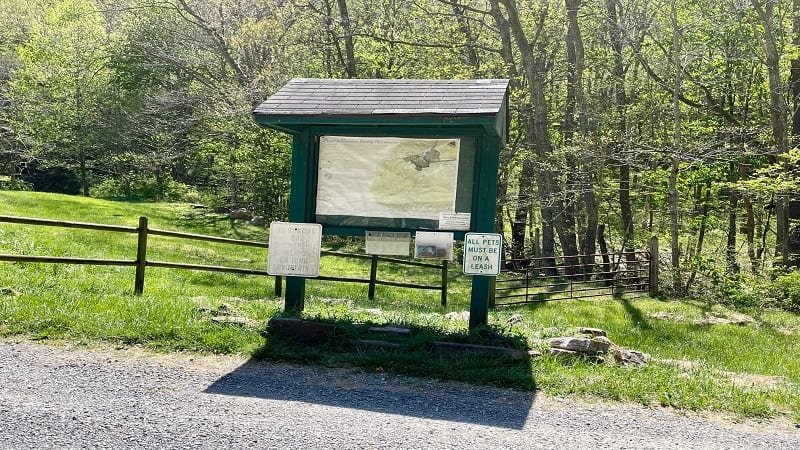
x=315, y=97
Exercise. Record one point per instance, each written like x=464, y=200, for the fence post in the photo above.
x=653, y=268
x=141, y=256
x=444, y=282
x=373, y=277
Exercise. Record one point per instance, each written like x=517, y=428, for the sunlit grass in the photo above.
x=718, y=366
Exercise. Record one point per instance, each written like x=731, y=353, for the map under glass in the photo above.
x=387, y=177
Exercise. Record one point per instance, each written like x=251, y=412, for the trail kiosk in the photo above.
x=416, y=156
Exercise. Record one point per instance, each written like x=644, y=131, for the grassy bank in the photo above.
x=750, y=369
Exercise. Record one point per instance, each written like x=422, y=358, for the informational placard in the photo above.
x=387, y=243
x=294, y=249
x=433, y=245
x=482, y=253
x=389, y=177
x=454, y=221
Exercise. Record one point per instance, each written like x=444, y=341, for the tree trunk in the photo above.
x=778, y=112
x=794, y=75
x=620, y=105
x=349, y=47
x=677, y=283
x=536, y=125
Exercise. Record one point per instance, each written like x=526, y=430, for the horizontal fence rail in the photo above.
x=534, y=280
x=141, y=262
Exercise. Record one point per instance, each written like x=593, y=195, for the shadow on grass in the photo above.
x=635, y=313
x=372, y=390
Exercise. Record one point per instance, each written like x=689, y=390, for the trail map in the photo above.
x=387, y=177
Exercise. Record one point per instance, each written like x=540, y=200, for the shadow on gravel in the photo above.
x=388, y=394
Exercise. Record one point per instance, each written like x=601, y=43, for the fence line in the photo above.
x=141, y=262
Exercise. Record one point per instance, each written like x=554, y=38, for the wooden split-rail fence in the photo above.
x=143, y=232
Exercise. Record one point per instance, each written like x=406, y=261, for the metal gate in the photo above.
x=561, y=278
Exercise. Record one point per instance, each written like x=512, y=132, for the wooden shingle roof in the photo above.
x=314, y=97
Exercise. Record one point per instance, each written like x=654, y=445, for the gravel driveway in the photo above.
x=59, y=397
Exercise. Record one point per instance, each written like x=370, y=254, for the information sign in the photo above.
x=387, y=243
x=294, y=249
x=454, y=221
x=482, y=253
x=433, y=245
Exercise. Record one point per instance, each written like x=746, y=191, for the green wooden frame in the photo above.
x=488, y=130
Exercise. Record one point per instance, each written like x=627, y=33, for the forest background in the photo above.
x=629, y=118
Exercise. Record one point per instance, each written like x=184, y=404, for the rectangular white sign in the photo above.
x=482, y=253
x=433, y=245
x=454, y=221
x=294, y=249
x=387, y=243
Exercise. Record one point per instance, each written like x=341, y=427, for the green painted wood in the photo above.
x=299, y=209
x=296, y=124
x=484, y=199
x=488, y=131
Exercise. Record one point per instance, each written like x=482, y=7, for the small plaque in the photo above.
x=482, y=253
x=433, y=245
x=387, y=243
x=294, y=249
x=454, y=221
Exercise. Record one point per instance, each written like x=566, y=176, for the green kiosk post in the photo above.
x=393, y=156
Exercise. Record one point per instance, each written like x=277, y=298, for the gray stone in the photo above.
x=581, y=345
x=593, y=331
x=630, y=357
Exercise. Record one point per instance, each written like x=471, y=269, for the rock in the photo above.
x=222, y=210
x=257, y=221
x=240, y=214
x=560, y=352
x=593, y=331
x=581, y=345
x=199, y=206
x=630, y=357
x=463, y=315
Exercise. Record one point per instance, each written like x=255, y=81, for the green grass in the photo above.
x=724, y=367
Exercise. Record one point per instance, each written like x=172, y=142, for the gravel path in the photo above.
x=57, y=397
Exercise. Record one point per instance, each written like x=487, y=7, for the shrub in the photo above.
x=788, y=287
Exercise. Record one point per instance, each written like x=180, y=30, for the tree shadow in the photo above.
x=635, y=313
x=377, y=387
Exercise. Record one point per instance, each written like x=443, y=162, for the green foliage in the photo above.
x=789, y=289
x=145, y=189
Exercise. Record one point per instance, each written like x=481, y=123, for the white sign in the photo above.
x=433, y=245
x=294, y=249
x=482, y=253
x=454, y=221
x=387, y=243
